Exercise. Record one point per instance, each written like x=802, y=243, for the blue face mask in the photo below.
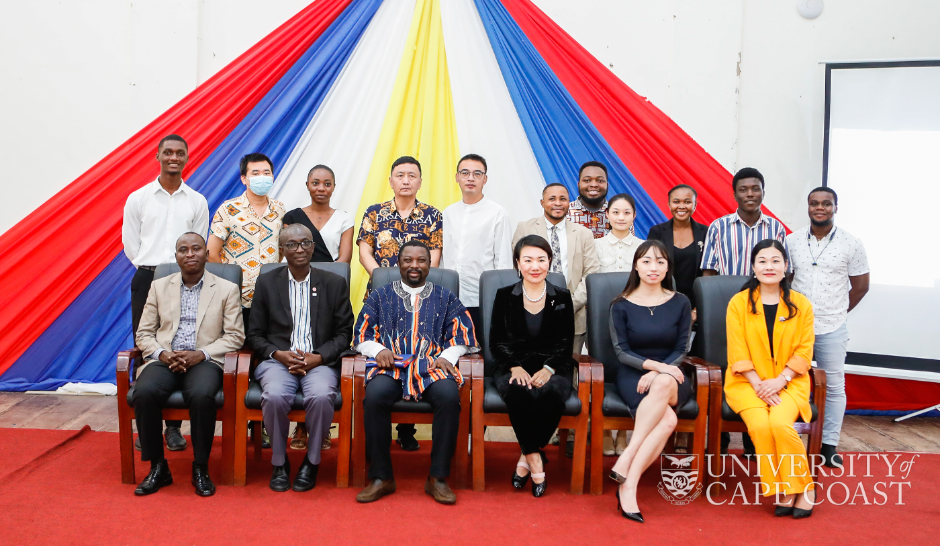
x=260, y=185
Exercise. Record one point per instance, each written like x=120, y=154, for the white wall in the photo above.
x=740, y=76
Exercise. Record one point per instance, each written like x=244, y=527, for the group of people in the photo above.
x=298, y=320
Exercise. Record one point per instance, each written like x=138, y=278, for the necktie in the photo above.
x=556, y=265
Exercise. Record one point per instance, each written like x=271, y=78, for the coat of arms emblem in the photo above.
x=679, y=474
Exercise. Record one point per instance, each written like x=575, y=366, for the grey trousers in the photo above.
x=830, y=354
x=278, y=390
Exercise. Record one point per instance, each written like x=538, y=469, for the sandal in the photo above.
x=299, y=440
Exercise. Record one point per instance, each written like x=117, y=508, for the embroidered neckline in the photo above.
x=407, y=296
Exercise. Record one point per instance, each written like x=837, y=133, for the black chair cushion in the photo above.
x=437, y=276
x=729, y=415
x=341, y=269
x=253, y=398
x=420, y=407
x=176, y=399
x=229, y=272
x=494, y=403
x=615, y=407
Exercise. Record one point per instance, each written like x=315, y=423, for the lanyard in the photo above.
x=829, y=239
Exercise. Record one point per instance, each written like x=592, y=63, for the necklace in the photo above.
x=537, y=299
x=651, y=308
x=827, y=244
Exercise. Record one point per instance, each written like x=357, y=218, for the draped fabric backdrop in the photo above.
x=352, y=84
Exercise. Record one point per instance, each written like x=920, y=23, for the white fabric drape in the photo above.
x=345, y=130
x=487, y=122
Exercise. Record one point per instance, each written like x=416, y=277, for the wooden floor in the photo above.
x=54, y=411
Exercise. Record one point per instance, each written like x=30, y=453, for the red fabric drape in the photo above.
x=47, y=265
x=658, y=153
x=875, y=393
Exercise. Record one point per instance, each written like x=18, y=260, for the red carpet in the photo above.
x=63, y=487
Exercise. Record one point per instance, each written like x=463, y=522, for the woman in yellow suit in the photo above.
x=770, y=332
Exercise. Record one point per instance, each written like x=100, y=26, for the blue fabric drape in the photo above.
x=82, y=343
x=561, y=135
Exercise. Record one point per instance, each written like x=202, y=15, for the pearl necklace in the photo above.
x=544, y=287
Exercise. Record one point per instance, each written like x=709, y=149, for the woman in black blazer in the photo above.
x=531, y=336
x=684, y=239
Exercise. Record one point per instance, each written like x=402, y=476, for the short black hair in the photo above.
x=252, y=158
x=748, y=173
x=472, y=157
x=551, y=184
x=531, y=241
x=173, y=137
x=190, y=234
x=626, y=197
x=414, y=243
x=824, y=189
x=322, y=166
x=592, y=163
x=403, y=160
x=681, y=187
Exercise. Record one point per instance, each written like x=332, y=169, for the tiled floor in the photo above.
x=53, y=411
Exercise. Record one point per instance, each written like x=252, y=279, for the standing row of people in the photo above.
x=575, y=239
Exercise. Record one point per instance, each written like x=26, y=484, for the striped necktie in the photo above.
x=556, y=265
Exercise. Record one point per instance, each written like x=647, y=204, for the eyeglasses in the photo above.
x=464, y=173
x=292, y=245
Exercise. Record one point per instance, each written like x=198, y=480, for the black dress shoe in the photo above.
x=158, y=477
x=175, y=440
x=201, y=480
x=517, y=480
x=306, y=476
x=281, y=477
x=636, y=517
x=830, y=456
x=539, y=488
x=408, y=443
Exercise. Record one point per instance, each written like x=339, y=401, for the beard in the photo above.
x=822, y=223
x=596, y=203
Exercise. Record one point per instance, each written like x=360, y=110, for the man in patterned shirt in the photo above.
x=387, y=226
x=590, y=208
x=245, y=230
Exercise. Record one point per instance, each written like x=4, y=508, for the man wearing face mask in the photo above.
x=245, y=230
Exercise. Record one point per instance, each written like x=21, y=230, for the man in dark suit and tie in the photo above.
x=300, y=324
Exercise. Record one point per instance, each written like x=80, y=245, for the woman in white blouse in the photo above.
x=616, y=253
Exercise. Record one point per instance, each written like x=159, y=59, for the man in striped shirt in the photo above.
x=731, y=238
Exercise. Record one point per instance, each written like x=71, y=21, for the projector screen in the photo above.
x=881, y=156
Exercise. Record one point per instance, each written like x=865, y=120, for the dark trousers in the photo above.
x=153, y=387
x=381, y=393
x=534, y=413
x=140, y=288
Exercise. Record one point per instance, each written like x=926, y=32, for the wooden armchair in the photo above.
x=408, y=412
x=489, y=407
x=248, y=394
x=608, y=410
x=712, y=301
x=175, y=409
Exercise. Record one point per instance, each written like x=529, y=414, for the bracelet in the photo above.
x=550, y=369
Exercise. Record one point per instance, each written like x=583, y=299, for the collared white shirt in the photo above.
x=477, y=238
x=371, y=348
x=154, y=219
x=299, y=293
x=839, y=256
x=563, y=245
x=617, y=255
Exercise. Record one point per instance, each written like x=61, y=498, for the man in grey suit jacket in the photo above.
x=190, y=321
x=573, y=247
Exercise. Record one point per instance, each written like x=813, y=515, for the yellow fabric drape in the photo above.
x=419, y=122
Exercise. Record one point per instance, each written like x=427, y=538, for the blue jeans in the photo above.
x=830, y=354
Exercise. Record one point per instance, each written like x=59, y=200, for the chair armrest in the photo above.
x=701, y=370
x=584, y=369
x=346, y=366
x=127, y=362
x=359, y=366
x=230, y=365
x=467, y=364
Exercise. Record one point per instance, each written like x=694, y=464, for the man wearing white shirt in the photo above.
x=476, y=233
x=155, y=216
x=831, y=269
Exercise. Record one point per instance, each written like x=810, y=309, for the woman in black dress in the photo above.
x=531, y=339
x=650, y=331
x=683, y=238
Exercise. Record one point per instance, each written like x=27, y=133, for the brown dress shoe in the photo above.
x=375, y=490
x=440, y=491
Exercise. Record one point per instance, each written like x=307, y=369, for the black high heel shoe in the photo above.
x=539, y=488
x=636, y=517
x=518, y=481
x=803, y=513
x=783, y=510
x=617, y=477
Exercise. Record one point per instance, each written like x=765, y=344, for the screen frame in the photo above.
x=870, y=359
